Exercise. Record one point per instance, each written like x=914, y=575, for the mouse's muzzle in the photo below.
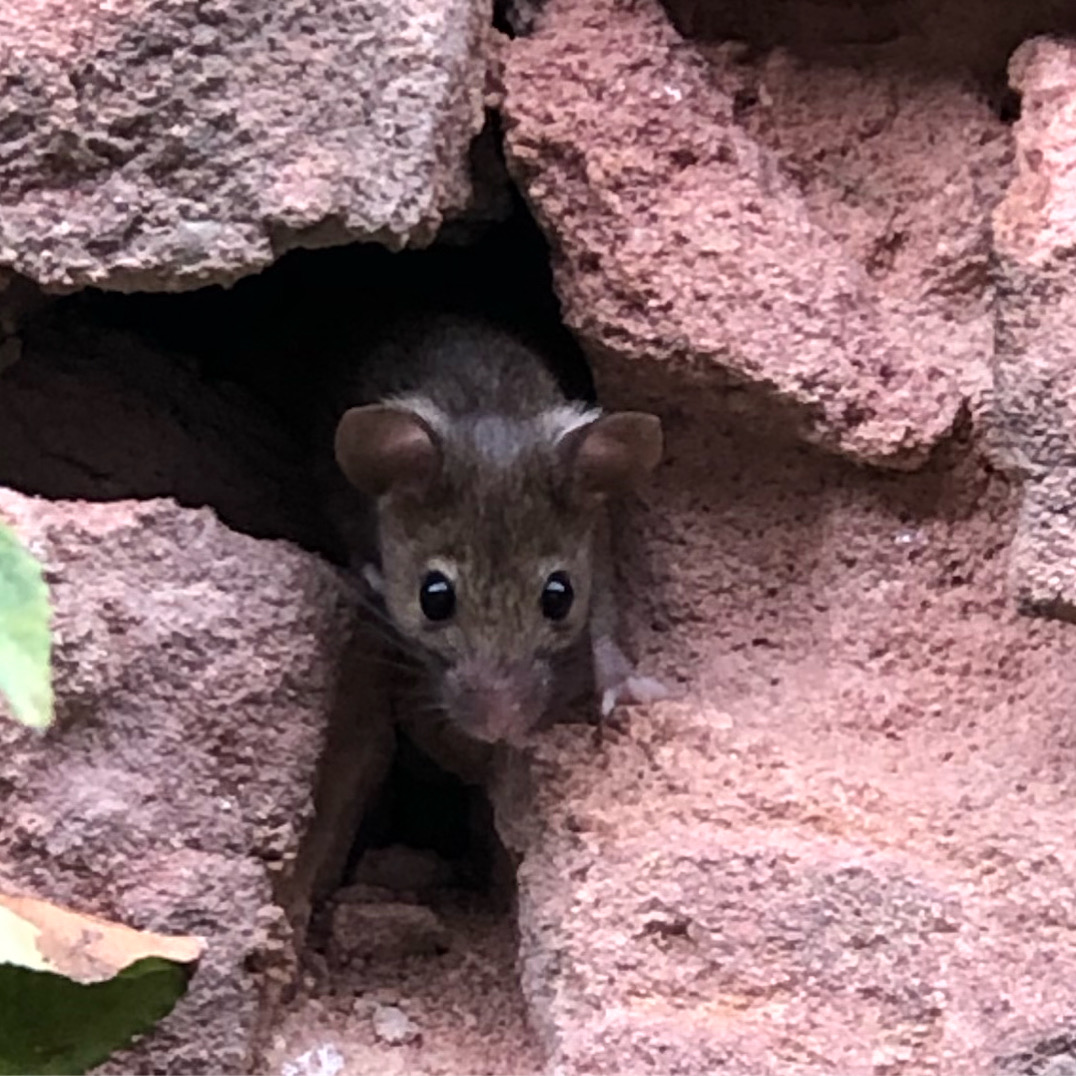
x=495, y=702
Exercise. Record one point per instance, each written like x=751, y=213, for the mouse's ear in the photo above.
x=381, y=448
x=614, y=453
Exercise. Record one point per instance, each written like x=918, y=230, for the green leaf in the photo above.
x=51, y=1025
x=25, y=639
x=74, y=988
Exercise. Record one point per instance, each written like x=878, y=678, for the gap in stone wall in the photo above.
x=267, y=332
x=413, y=956
x=951, y=40
x=258, y=345
x=204, y=397
x=933, y=36
x=425, y=808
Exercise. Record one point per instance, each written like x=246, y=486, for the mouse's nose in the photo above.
x=500, y=717
x=494, y=703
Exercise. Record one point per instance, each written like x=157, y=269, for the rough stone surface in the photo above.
x=846, y=846
x=464, y=1000
x=1035, y=365
x=169, y=144
x=196, y=669
x=821, y=233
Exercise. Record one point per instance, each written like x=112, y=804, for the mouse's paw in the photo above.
x=370, y=574
x=617, y=681
x=632, y=689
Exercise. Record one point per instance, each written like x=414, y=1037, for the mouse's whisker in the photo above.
x=382, y=661
x=378, y=623
x=419, y=697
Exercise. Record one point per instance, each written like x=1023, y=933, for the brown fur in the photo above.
x=490, y=492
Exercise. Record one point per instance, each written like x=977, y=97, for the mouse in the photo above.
x=476, y=512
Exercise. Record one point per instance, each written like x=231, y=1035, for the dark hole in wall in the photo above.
x=976, y=34
x=423, y=807
x=205, y=395
x=268, y=331
x=1006, y=103
x=937, y=37
x=230, y=370
x=517, y=18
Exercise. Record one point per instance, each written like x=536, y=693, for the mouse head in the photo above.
x=486, y=529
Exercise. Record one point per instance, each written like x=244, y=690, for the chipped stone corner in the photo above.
x=180, y=147
x=1034, y=414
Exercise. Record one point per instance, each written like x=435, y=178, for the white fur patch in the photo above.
x=373, y=578
x=424, y=407
x=559, y=421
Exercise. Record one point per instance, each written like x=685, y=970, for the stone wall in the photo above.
x=831, y=249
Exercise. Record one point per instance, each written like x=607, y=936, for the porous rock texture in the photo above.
x=164, y=145
x=1035, y=362
x=822, y=233
x=196, y=671
x=846, y=845
x=399, y=1011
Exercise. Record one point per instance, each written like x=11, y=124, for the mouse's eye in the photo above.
x=437, y=596
x=557, y=595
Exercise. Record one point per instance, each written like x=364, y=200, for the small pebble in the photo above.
x=393, y=1026
x=385, y=932
x=325, y=1060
